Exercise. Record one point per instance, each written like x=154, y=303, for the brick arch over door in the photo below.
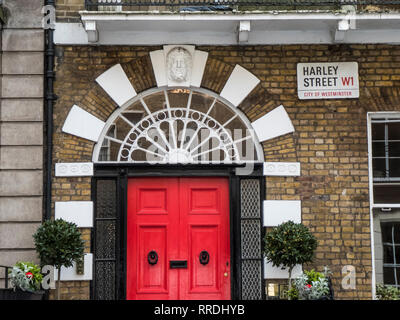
x=118, y=85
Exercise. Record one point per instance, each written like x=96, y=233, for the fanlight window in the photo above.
x=178, y=125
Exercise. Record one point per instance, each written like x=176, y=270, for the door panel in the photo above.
x=205, y=225
x=152, y=222
x=204, y=276
x=183, y=219
x=152, y=239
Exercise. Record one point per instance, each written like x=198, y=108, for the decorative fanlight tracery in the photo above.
x=176, y=125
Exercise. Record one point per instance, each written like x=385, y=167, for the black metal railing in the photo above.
x=5, y=275
x=115, y=5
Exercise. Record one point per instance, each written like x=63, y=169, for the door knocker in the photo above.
x=152, y=257
x=204, y=257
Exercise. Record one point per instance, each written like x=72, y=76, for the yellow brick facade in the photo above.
x=330, y=139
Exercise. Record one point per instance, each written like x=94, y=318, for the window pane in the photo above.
x=388, y=254
x=394, y=131
x=388, y=275
x=378, y=131
x=378, y=149
x=386, y=229
x=133, y=117
x=397, y=234
x=394, y=149
x=379, y=168
x=394, y=168
x=398, y=276
x=386, y=194
x=103, y=156
x=397, y=253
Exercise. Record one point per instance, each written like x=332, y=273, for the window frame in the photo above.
x=372, y=181
x=396, y=262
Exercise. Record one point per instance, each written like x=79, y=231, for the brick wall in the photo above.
x=68, y=10
x=330, y=139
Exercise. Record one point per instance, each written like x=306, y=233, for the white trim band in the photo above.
x=78, y=212
x=74, y=169
x=70, y=274
x=277, y=212
x=271, y=272
x=283, y=169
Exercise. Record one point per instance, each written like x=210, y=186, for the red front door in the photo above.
x=178, y=243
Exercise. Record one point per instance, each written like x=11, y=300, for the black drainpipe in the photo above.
x=49, y=98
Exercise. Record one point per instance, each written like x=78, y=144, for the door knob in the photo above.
x=225, y=274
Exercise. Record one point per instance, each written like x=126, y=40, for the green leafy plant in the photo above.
x=293, y=294
x=313, y=275
x=26, y=276
x=386, y=292
x=311, y=285
x=289, y=244
x=59, y=244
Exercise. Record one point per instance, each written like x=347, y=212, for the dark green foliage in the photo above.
x=58, y=243
x=290, y=244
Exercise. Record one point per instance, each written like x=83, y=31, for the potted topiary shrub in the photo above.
x=26, y=279
x=289, y=244
x=59, y=244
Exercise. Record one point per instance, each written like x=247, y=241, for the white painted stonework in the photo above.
x=69, y=274
x=283, y=169
x=271, y=272
x=239, y=85
x=117, y=85
x=179, y=64
x=199, y=65
x=75, y=169
x=274, y=124
x=78, y=212
x=277, y=212
x=83, y=124
x=195, y=64
x=158, y=61
x=221, y=28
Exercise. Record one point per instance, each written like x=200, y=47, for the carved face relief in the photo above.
x=179, y=62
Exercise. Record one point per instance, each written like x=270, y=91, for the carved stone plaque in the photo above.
x=179, y=65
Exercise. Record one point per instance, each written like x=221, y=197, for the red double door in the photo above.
x=178, y=243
